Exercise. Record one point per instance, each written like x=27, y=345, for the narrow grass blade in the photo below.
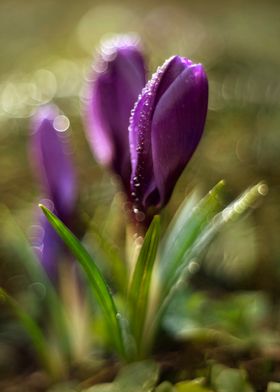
x=186, y=227
x=141, y=281
x=95, y=278
x=33, y=330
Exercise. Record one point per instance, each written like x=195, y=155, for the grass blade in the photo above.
x=141, y=280
x=232, y=212
x=95, y=278
x=186, y=227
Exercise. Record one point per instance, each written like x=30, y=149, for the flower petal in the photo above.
x=177, y=126
x=51, y=160
x=111, y=96
x=142, y=180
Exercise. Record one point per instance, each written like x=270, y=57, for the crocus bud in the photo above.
x=51, y=161
x=166, y=125
x=116, y=82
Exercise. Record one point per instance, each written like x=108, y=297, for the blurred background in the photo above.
x=46, y=50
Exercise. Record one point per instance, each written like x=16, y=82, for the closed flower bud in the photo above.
x=116, y=82
x=51, y=162
x=165, y=128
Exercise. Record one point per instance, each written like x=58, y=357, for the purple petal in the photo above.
x=176, y=65
x=165, y=128
x=142, y=179
x=177, y=127
x=51, y=160
x=111, y=96
x=48, y=247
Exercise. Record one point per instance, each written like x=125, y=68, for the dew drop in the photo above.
x=193, y=267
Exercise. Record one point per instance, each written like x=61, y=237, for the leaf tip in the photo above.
x=157, y=218
x=43, y=208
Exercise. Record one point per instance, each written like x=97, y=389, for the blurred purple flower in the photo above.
x=51, y=161
x=116, y=82
x=166, y=125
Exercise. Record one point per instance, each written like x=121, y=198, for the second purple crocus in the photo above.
x=116, y=81
x=51, y=162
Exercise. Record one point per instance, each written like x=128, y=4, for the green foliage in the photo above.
x=181, y=245
x=95, y=279
x=231, y=319
x=189, y=234
x=140, y=285
x=187, y=225
x=188, y=239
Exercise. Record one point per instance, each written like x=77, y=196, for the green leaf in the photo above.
x=95, y=278
x=141, y=280
x=187, y=225
x=200, y=239
x=40, y=344
x=136, y=377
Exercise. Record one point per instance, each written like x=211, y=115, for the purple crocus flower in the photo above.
x=51, y=161
x=165, y=128
x=116, y=82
